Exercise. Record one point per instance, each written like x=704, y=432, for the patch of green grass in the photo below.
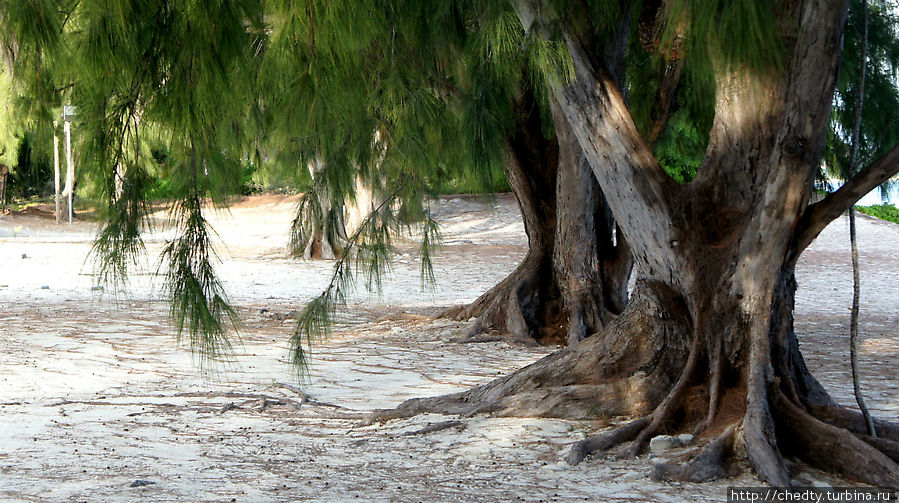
x=881, y=211
x=20, y=203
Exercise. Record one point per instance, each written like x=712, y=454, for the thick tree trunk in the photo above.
x=706, y=345
x=557, y=293
x=592, y=276
x=323, y=243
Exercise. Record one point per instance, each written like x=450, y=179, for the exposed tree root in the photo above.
x=431, y=428
x=715, y=366
x=501, y=309
x=619, y=398
x=854, y=421
x=605, y=441
x=758, y=424
x=613, y=375
x=477, y=339
x=888, y=447
x=669, y=404
x=831, y=448
x=649, y=365
x=706, y=466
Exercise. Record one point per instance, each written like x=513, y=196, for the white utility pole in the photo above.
x=70, y=168
x=56, y=168
x=68, y=112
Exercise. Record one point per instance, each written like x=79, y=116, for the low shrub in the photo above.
x=882, y=211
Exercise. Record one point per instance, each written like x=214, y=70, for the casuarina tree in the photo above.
x=706, y=343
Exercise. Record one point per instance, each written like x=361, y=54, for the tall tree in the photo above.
x=712, y=313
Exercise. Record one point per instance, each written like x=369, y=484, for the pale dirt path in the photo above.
x=93, y=398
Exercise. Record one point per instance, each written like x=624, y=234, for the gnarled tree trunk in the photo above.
x=592, y=275
x=706, y=344
x=557, y=292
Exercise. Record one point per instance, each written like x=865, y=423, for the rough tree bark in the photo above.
x=706, y=343
x=558, y=293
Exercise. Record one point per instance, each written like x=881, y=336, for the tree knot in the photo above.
x=797, y=146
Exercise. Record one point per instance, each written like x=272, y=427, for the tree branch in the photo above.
x=817, y=216
x=638, y=190
x=636, y=187
x=666, y=102
x=650, y=28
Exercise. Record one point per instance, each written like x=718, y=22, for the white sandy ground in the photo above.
x=94, y=396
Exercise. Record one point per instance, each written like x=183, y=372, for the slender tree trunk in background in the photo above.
x=319, y=245
x=853, y=241
x=362, y=203
x=322, y=245
x=69, y=191
x=56, y=194
x=4, y=174
x=321, y=223
x=706, y=344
